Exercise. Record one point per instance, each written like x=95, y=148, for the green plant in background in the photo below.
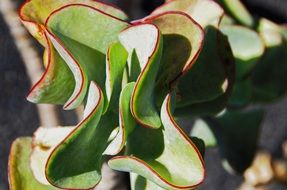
x=186, y=62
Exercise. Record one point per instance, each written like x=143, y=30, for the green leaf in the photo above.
x=206, y=87
x=182, y=44
x=146, y=40
x=237, y=133
x=236, y=9
x=173, y=162
x=34, y=10
x=201, y=130
x=20, y=174
x=57, y=77
x=227, y=21
x=269, y=78
x=266, y=25
x=241, y=93
x=76, y=162
x=247, y=48
x=81, y=81
x=205, y=12
x=127, y=122
x=140, y=183
x=83, y=51
x=57, y=83
x=115, y=64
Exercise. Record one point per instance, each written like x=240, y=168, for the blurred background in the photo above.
x=20, y=67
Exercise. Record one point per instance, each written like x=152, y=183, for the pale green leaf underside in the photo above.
x=20, y=174
x=238, y=11
x=146, y=41
x=181, y=46
x=205, y=12
x=247, y=48
x=45, y=139
x=57, y=74
x=127, y=122
x=82, y=39
x=165, y=163
x=83, y=148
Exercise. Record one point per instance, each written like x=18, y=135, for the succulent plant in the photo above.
x=138, y=81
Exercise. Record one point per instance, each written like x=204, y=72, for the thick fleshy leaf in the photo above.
x=165, y=156
x=33, y=15
x=206, y=87
x=76, y=162
x=140, y=183
x=81, y=81
x=127, y=122
x=20, y=174
x=272, y=33
x=247, y=48
x=146, y=40
x=201, y=130
x=33, y=11
x=57, y=83
x=227, y=21
x=236, y=9
x=83, y=51
x=237, y=133
x=182, y=44
x=241, y=93
x=269, y=76
x=205, y=12
x=44, y=141
x=115, y=64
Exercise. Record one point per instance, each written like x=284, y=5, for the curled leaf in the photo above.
x=127, y=122
x=182, y=43
x=83, y=148
x=83, y=52
x=146, y=40
x=206, y=87
x=205, y=12
x=161, y=160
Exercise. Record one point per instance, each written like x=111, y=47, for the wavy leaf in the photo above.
x=83, y=51
x=127, y=122
x=155, y=155
x=82, y=148
x=57, y=83
x=205, y=12
x=146, y=40
x=57, y=75
x=115, y=64
x=206, y=87
x=182, y=43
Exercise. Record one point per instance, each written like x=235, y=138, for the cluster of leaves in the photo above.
x=186, y=61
